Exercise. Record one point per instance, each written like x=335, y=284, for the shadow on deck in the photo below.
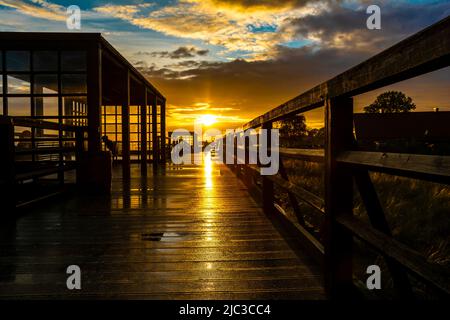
x=186, y=233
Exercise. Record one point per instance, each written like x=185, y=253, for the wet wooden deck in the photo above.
x=190, y=233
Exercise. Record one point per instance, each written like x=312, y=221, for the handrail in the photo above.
x=426, y=167
x=41, y=124
x=426, y=51
x=35, y=161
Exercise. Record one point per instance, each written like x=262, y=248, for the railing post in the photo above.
x=94, y=98
x=224, y=149
x=338, y=198
x=143, y=119
x=126, y=129
x=235, y=153
x=155, y=151
x=7, y=170
x=246, y=170
x=162, y=118
x=79, y=148
x=267, y=185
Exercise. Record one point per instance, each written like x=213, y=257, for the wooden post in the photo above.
x=246, y=171
x=155, y=133
x=94, y=97
x=267, y=184
x=163, y=132
x=224, y=149
x=235, y=154
x=338, y=199
x=126, y=129
x=79, y=148
x=7, y=167
x=144, y=133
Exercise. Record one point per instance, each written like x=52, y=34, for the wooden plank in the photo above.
x=425, y=51
x=432, y=274
x=427, y=167
x=190, y=238
x=312, y=155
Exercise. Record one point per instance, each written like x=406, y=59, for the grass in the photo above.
x=418, y=212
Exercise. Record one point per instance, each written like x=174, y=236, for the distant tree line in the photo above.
x=294, y=132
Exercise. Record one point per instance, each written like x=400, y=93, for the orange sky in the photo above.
x=236, y=59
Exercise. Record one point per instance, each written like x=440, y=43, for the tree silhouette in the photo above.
x=391, y=102
x=293, y=132
x=293, y=127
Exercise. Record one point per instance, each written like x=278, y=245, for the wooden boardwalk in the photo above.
x=188, y=233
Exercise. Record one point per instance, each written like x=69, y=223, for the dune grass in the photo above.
x=418, y=213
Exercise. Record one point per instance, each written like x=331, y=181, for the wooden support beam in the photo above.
x=432, y=274
x=305, y=195
x=378, y=220
x=163, y=132
x=7, y=167
x=338, y=199
x=4, y=87
x=155, y=151
x=94, y=96
x=292, y=198
x=144, y=153
x=79, y=149
x=126, y=129
x=304, y=238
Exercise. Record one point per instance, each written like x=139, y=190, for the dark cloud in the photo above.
x=180, y=53
x=345, y=27
x=261, y=3
x=192, y=64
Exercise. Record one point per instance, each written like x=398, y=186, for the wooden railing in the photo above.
x=36, y=155
x=426, y=51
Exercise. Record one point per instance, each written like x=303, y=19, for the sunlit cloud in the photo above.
x=37, y=8
x=250, y=26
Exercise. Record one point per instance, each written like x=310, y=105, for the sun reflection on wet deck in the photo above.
x=208, y=169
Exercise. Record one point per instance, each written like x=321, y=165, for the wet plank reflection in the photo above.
x=187, y=232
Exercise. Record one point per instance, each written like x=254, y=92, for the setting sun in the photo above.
x=207, y=119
